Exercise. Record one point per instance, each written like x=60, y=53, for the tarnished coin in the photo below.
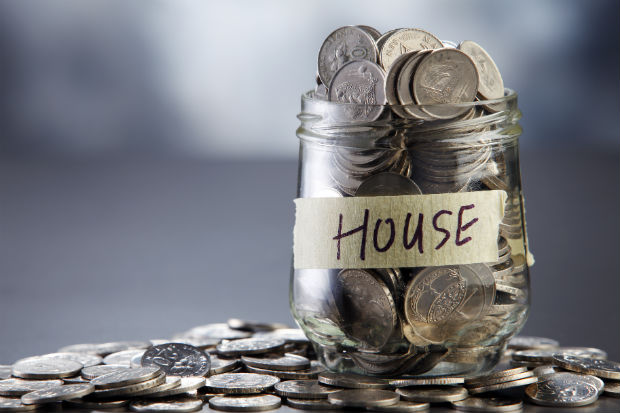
x=402, y=407
x=172, y=382
x=58, y=393
x=5, y=371
x=612, y=389
x=125, y=377
x=487, y=404
x=10, y=404
x=240, y=383
x=84, y=359
x=245, y=403
x=253, y=326
x=352, y=381
x=403, y=41
x=103, y=349
x=287, y=362
x=503, y=385
x=45, y=368
x=490, y=83
x=187, y=384
x=218, y=331
x=386, y=184
x=312, y=373
x=85, y=403
x=91, y=372
x=18, y=387
x=303, y=389
x=432, y=394
x=222, y=365
x=563, y=390
x=426, y=381
x=344, y=45
x=601, y=368
x=363, y=398
x=310, y=404
x=130, y=389
x=184, y=404
x=178, y=359
x=252, y=345
x=122, y=358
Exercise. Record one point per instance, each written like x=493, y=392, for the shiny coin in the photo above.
x=487, y=404
x=172, y=382
x=490, y=83
x=75, y=380
x=303, y=389
x=544, y=370
x=245, y=403
x=404, y=41
x=503, y=385
x=312, y=373
x=253, y=345
x=56, y=394
x=125, y=377
x=374, y=33
x=122, y=358
x=103, y=349
x=290, y=335
x=46, y=368
x=253, y=326
x=612, y=389
x=186, y=385
x=563, y=390
x=91, y=372
x=240, y=383
x=286, y=362
x=352, y=381
x=84, y=359
x=18, y=387
x=222, y=365
x=502, y=374
x=14, y=405
x=184, y=404
x=344, y=45
x=601, y=368
x=217, y=330
x=402, y=407
x=310, y=404
x=129, y=390
x=546, y=355
x=387, y=183
x=5, y=371
x=178, y=359
x=363, y=398
x=95, y=404
x=433, y=394
x=425, y=381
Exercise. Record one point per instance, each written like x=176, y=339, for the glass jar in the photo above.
x=450, y=318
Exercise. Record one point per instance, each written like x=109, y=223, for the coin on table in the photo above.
x=487, y=404
x=172, y=382
x=286, y=362
x=290, y=335
x=123, y=358
x=84, y=359
x=601, y=368
x=312, y=373
x=387, y=183
x=5, y=371
x=402, y=407
x=363, y=398
x=130, y=389
x=96, y=404
x=310, y=404
x=404, y=41
x=45, y=368
x=103, y=349
x=425, y=381
x=59, y=393
x=11, y=404
x=499, y=376
x=303, y=389
x=240, y=383
x=222, y=365
x=484, y=388
x=490, y=83
x=252, y=345
x=75, y=380
x=186, y=385
x=344, y=45
x=217, y=330
x=253, y=326
x=432, y=394
x=18, y=387
x=612, y=389
x=546, y=355
x=445, y=76
x=91, y=372
x=545, y=370
x=183, y=404
x=245, y=403
x=177, y=359
x=125, y=377
x=352, y=381
x=563, y=390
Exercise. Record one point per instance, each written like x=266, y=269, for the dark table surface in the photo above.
x=94, y=251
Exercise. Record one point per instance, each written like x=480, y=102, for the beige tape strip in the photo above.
x=397, y=231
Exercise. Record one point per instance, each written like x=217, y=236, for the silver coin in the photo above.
x=495, y=375
x=601, y=368
x=200, y=343
x=84, y=359
x=240, y=383
x=363, y=398
x=498, y=380
x=344, y=45
x=103, y=349
x=185, y=404
x=487, y=404
x=303, y=389
x=178, y=359
x=91, y=372
x=374, y=33
x=286, y=362
x=253, y=326
x=404, y=41
x=426, y=381
x=245, y=403
x=352, y=381
x=310, y=404
x=5, y=371
x=8, y=404
x=546, y=355
x=222, y=365
x=188, y=384
x=18, y=387
x=130, y=389
x=612, y=389
x=58, y=393
x=431, y=394
x=563, y=390
x=312, y=373
x=290, y=335
x=402, y=407
x=122, y=378
x=545, y=370
x=490, y=83
x=75, y=380
x=217, y=330
x=122, y=358
x=252, y=345
x=503, y=385
x=172, y=382
x=387, y=184
x=45, y=368
x=96, y=404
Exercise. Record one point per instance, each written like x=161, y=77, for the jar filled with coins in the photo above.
x=410, y=251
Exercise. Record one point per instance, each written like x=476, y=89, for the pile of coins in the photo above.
x=247, y=366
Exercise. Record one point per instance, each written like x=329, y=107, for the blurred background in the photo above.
x=148, y=158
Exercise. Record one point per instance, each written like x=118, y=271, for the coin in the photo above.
x=253, y=326
x=490, y=83
x=363, y=398
x=430, y=394
x=402, y=407
x=84, y=359
x=343, y=45
x=245, y=403
x=75, y=380
x=58, y=393
x=222, y=365
x=91, y=372
x=502, y=374
x=103, y=349
x=188, y=384
x=311, y=373
x=303, y=389
x=172, y=382
x=84, y=403
x=125, y=377
x=544, y=370
x=403, y=41
x=487, y=404
x=612, y=389
x=45, y=368
x=252, y=345
x=563, y=390
x=130, y=389
x=426, y=381
x=286, y=362
x=352, y=381
x=310, y=404
x=8, y=404
x=178, y=359
x=218, y=331
x=503, y=385
x=122, y=358
x=5, y=371
x=601, y=368
x=290, y=335
x=240, y=383
x=387, y=184
x=18, y=387
x=184, y=404
x=546, y=355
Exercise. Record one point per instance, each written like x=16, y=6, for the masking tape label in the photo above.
x=397, y=231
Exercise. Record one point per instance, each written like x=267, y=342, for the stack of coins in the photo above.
x=260, y=366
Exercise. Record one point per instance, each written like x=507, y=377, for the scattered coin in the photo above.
x=544, y=370
x=563, y=390
x=402, y=407
x=363, y=398
x=303, y=389
x=172, y=382
x=612, y=389
x=45, y=368
x=546, y=355
x=122, y=358
x=290, y=335
x=286, y=362
x=185, y=404
x=8, y=404
x=222, y=365
x=601, y=368
x=312, y=373
x=310, y=404
x=431, y=394
x=187, y=384
x=84, y=359
x=245, y=403
x=17, y=387
x=425, y=381
x=487, y=404
x=91, y=372
x=103, y=349
x=484, y=388
x=130, y=389
x=5, y=371
x=125, y=377
x=352, y=381
x=219, y=331
x=240, y=383
x=58, y=393
x=247, y=346
x=84, y=403
x=177, y=359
